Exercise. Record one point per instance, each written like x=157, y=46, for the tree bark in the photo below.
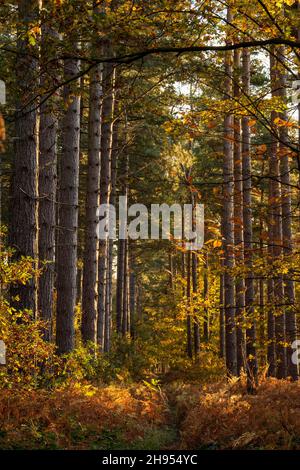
x=132, y=301
x=251, y=355
x=227, y=225
x=109, y=293
x=125, y=316
x=261, y=282
x=222, y=319
x=287, y=240
x=238, y=220
x=105, y=185
x=274, y=170
x=139, y=304
x=47, y=188
x=195, y=290
x=23, y=228
x=68, y=213
x=90, y=264
x=189, y=307
x=171, y=270
x=271, y=352
x=123, y=166
x=195, y=286
x=206, y=332
x=120, y=285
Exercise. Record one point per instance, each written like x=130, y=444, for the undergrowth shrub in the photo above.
x=82, y=416
x=29, y=360
x=32, y=362
x=224, y=416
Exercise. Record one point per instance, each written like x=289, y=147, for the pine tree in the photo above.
x=227, y=225
x=248, y=233
x=23, y=226
x=47, y=181
x=90, y=265
x=68, y=212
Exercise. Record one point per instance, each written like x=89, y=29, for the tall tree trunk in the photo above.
x=171, y=269
x=132, y=300
x=120, y=285
x=125, y=316
x=90, y=263
x=277, y=229
x=189, y=307
x=222, y=319
x=23, y=229
x=47, y=189
x=109, y=293
x=195, y=282
x=289, y=289
x=183, y=269
x=238, y=219
x=105, y=185
x=271, y=352
x=122, y=242
x=195, y=290
x=107, y=314
x=261, y=283
x=206, y=332
x=251, y=356
x=227, y=225
x=298, y=37
x=2, y=139
x=68, y=212
x=139, y=304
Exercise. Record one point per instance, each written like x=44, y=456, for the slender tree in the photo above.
x=195, y=285
x=123, y=167
x=206, y=332
x=68, y=211
x=222, y=319
x=227, y=224
x=90, y=265
x=189, y=307
x=287, y=240
x=261, y=281
x=251, y=354
x=120, y=285
x=125, y=309
x=271, y=352
x=238, y=218
x=105, y=183
x=195, y=290
x=132, y=300
x=113, y=198
x=47, y=180
x=276, y=241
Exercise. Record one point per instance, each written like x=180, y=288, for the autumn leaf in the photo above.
x=252, y=122
x=282, y=123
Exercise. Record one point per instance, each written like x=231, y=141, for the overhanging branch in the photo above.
x=128, y=58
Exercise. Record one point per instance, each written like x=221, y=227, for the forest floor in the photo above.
x=143, y=416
